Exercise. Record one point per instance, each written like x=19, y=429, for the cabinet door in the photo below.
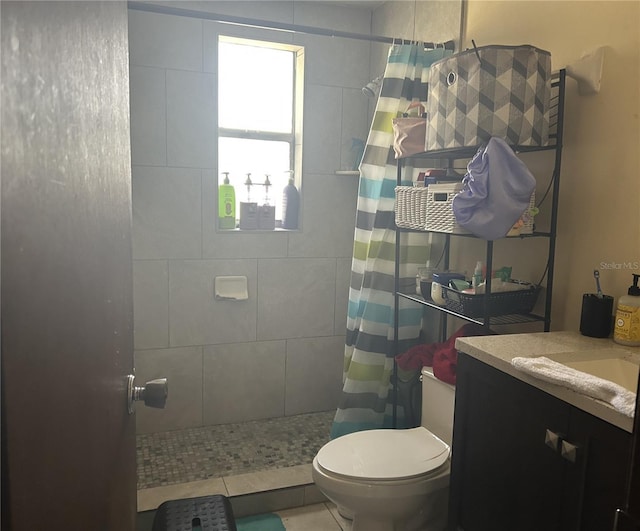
x=596, y=482
x=504, y=476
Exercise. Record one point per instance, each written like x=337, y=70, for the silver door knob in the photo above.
x=153, y=394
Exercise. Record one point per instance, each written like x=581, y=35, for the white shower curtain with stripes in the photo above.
x=368, y=360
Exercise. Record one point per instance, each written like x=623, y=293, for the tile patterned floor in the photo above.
x=317, y=517
x=194, y=454
x=320, y=517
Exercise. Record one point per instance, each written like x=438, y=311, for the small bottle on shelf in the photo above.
x=290, y=205
x=226, y=204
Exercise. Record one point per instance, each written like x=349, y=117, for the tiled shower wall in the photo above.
x=280, y=352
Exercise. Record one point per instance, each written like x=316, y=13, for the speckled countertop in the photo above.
x=498, y=351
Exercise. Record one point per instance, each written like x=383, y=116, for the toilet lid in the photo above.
x=384, y=454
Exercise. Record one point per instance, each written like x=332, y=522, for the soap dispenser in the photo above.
x=627, y=325
x=266, y=211
x=248, y=209
x=226, y=204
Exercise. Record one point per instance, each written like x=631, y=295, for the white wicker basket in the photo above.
x=411, y=207
x=430, y=209
x=440, y=216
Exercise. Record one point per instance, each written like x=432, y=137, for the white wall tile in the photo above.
x=438, y=21
x=343, y=279
x=183, y=369
x=378, y=63
x=270, y=10
x=191, y=119
x=395, y=19
x=167, y=222
x=335, y=62
x=329, y=212
x=352, y=19
x=247, y=244
x=355, y=124
x=195, y=317
x=322, y=136
x=148, y=116
x=424, y=20
x=210, y=32
x=314, y=374
x=150, y=304
x=165, y=41
x=244, y=381
x=296, y=298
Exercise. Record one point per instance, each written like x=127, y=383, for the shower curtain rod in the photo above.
x=281, y=26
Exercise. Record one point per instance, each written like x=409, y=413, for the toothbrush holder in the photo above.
x=596, y=317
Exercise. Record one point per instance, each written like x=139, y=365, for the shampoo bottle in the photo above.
x=290, y=206
x=226, y=204
x=627, y=325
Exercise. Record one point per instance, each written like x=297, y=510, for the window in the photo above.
x=259, y=117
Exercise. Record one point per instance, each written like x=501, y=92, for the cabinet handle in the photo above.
x=552, y=440
x=569, y=451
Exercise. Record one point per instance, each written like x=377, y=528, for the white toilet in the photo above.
x=393, y=480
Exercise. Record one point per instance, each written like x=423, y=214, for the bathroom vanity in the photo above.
x=531, y=455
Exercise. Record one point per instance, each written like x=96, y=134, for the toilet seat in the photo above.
x=378, y=455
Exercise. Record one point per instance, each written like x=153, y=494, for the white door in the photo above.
x=68, y=452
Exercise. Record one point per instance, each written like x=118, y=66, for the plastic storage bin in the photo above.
x=500, y=303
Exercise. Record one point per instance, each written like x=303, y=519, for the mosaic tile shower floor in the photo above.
x=194, y=454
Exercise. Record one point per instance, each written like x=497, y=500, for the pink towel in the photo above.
x=443, y=357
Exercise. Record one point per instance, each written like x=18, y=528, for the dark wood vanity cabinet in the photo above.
x=525, y=460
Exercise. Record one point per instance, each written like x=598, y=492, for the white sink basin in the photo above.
x=608, y=364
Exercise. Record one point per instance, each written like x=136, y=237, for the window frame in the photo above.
x=293, y=138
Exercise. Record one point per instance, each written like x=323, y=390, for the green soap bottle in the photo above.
x=226, y=204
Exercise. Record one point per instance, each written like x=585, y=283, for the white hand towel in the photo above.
x=621, y=399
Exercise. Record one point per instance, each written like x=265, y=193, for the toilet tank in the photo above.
x=438, y=399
